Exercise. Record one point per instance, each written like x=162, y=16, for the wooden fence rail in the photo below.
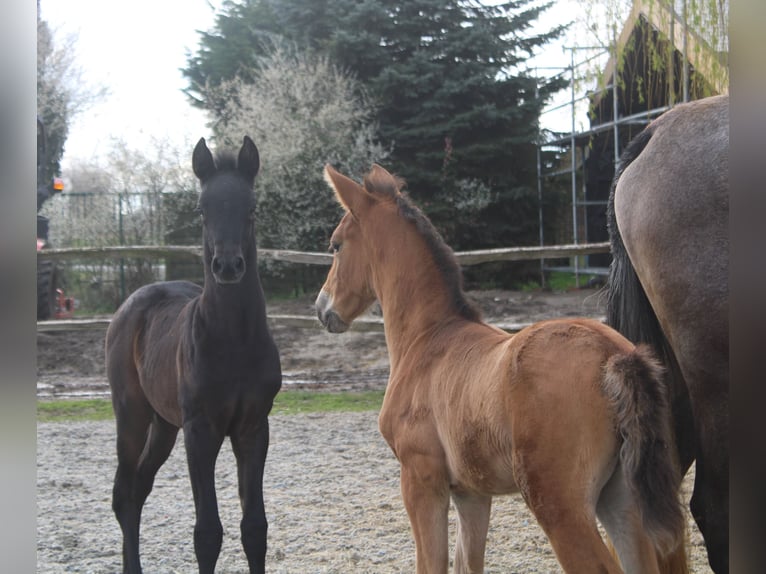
x=464, y=257
x=363, y=324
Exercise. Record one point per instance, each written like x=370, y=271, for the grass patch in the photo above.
x=563, y=281
x=69, y=411
x=286, y=403
x=555, y=281
x=292, y=402
x=528, y=286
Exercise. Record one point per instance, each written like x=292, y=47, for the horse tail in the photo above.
x=627, y=307
x=629, y=311
x=634, y=383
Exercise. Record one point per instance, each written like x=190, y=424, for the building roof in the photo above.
x=711, y=62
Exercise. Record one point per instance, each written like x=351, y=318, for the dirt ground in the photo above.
x=331, y=490
x=331, y=485
x=71, y=364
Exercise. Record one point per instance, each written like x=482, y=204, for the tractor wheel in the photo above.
x=46, y=290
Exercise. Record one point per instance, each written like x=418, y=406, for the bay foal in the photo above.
x=568, y=412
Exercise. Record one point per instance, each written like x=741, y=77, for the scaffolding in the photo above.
x=579, y=141
x=612, y=130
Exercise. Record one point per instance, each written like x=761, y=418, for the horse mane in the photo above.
x=225, y=160
x=444, y=257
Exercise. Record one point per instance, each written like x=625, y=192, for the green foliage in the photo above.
x=554, y=281
x=651, y=72
x=286, y=403
x=562, y=281
x=460, y=118
x=454, y=111
x=53, y=104
x=302, y=112
x=245, y=30
x=99, y=286
x=144, y=197
x=62, y=93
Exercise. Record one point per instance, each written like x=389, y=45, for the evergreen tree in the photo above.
x=246, y=31
x=302, y=112
x=456, y=116
x=53, y=105
x=62, y=93
x=459, y=116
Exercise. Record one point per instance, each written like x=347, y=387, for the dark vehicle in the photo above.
x=51, y=301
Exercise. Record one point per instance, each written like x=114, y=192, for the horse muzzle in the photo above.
x=327, y=316
x=228, y=270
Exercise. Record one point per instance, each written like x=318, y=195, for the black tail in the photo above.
x=634, y=384
x=627, y=307
x=628, y=311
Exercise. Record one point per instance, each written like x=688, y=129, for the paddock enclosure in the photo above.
x=334, y=509
x=332, y=499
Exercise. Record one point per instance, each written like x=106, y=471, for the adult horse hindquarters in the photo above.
x=668, y=286
x=178, y=356
x=569, y=412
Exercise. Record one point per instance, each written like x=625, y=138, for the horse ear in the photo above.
x=202, y=161
x=349, y=193
x=249, y=161
x=380, y=181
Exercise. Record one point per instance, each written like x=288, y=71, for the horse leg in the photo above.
x=133, y=419
x=159, y=445
x=620, y=515
x=425, y=491
x=250, y=447
x=711, y=517
x=575, y=538
x=710, y=501
x=473, y=522
x=203, y=442
x=560, y=499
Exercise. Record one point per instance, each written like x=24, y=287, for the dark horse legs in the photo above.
x=708, y=508
x=710, y=499
x=203, y=442
x=250, y=446
x=144, y=442
x=139, y=457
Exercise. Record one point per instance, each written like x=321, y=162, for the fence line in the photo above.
x=312, y=258
x=361, y=324
x=364, y=324
x=474, y=257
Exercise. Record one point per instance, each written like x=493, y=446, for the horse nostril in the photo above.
x=217, y=265
x=239, y=264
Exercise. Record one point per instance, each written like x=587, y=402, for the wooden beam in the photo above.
x=361, y=325
x=529, y=253
x=314, y=258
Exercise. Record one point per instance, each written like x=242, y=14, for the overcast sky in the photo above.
x=137, y=48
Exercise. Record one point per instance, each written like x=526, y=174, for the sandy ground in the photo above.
x=332, y=501
x=72, y=363
x=331, y=485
